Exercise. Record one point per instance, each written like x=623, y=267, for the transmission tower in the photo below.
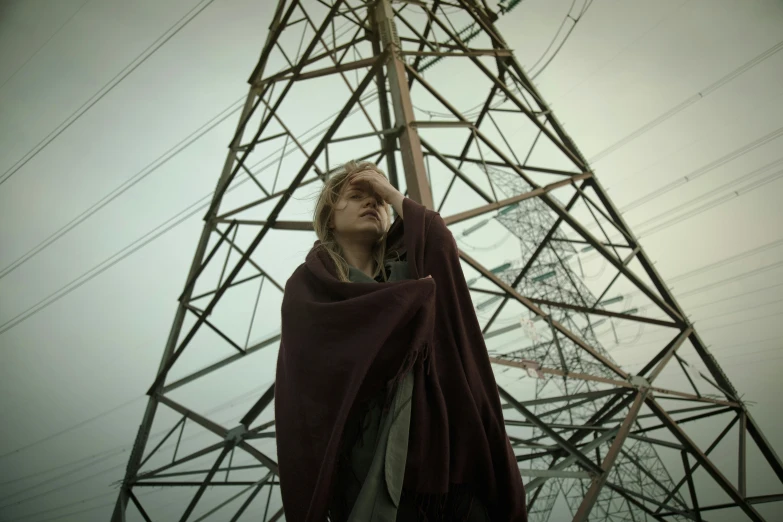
x=552, y=278
x=472, y=138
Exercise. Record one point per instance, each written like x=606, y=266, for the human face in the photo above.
x=360, y=213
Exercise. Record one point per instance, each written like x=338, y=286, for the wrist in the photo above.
x=395, y=200
x=395, y=197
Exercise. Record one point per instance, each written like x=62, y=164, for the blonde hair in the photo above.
x=324, y=210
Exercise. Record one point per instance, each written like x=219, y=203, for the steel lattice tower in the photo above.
x=430, y=91
x=552, y=279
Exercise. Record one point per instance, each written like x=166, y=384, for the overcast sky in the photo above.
x=73, y=375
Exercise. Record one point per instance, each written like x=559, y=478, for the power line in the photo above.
x=710, y=286
x=44, y=44
x=108, y=262
x=729, y=186
x=699, y=172
x=95, y=458
x=45, y=511
x=732, y=279
x=717, y=264
x=726, y=261
x=622, y=51
x=630, y=346
x=147, y=491
x=631, y=176
x=75, y=426
x=108, y=87
x=99, y=457
x=704, y=169
x=709, y=318
x=658, y=341
x=126, y=185
x=688, y=102
x=243, y=397
x=60, y=488
x=144, y=240
x=761, y=170
x=136, y=178
x=729, y=298
x=712, y=204
x=734, y=193
x=554, y=38
x=743, y=354
x=645, y=307
x=576, y=20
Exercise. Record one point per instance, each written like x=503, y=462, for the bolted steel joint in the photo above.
x=237, y=434
x=639, y=382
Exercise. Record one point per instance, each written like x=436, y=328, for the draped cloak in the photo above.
x=343, y=343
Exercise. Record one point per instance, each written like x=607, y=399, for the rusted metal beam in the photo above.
x=643, y=469
x=410, y=145
x=570, y=460
x=530, y=365
x=259, y=406
x=276, y=27
x=203, y=471
x=543, y=426
x=388, y=140
x=220, y=364
x=633, y=495
x=686, y=420
x=531, y=168
x=712, y=446
x=463, y=216
x=742, y=457
x=605, y=313
x=705, y=462
x=763, y=445
x=583, y=512
x=669, y=354
x=457, y=172
x=334, y=69
x=691, y=487
x=471, y=52
x=193, y=456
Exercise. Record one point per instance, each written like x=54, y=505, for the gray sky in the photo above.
x=626, y=64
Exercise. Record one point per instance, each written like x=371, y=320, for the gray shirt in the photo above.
x=378, y=459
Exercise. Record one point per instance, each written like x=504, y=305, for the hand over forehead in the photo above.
x=367, y=172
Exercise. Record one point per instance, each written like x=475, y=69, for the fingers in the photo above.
x=368, y=174
x=355, y=180
x=362, y=176
x=375, y=181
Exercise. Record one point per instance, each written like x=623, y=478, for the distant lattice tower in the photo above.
x=341, y=80
x=552, y=278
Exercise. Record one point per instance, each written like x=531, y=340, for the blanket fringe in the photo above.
x=454, y=506
x=422, y=355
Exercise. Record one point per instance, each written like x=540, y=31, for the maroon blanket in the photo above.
x=343, y=343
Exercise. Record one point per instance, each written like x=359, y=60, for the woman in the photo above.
x=385, y=403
